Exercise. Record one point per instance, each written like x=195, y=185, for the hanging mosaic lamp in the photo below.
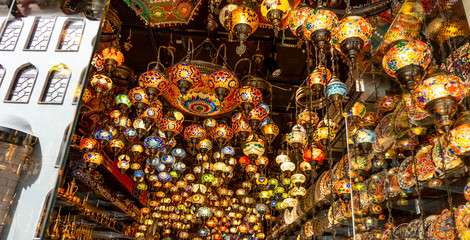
x=319, y=25
x=88, y=144
x=101, y=84
x=318, y=79
x=364, y=139
x=225, y=13
x=298, y=137
x=314, y=155
x=254, y=147
x=112, y=57
x=297, y=18
x=274, y=11
x=154, y=82
x=308, y=119
x=209, y=124
x=256, y=116
x=270, y=131
x=154, y=144
x=223, y=82
x=351, y=34
x=407, y=61
x=222, y=133
x=170, y=126
x=123, y=102
x=93, y=160
x=139, y=99
x=440, y=94
x=184, y=75
x=243, y=21
x=335, y=91
x=248, y=97
x=194, y=133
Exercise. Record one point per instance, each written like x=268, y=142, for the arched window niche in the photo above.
x=22, y=84
x=56, y=85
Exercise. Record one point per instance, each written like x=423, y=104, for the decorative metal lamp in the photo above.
x=256, y=116
x=154, y=82
x=223, y=82
x=308, y=119
x=364, y=139
x=93, y=160
x=440, y=94
x=154, y=144
x=406, y=61
x=243, y=21
x=139, y=99
x=314, y=155
x=101, y=84
x=319, y=25
x=225, y=13
x=274, y=11
x=298, y=137
x=270, y=131
x=350, y=35
x=123, y=102
x=194, y=133
x=184, y=75
x=318, y=79
x=297, y=18
x=254, y=147
x=89, y=144
x=113, y=58
x=248, y=97
x=222, y=133
x=335, y=91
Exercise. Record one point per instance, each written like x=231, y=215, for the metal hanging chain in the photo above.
x=330, y=166
x=446, y=180
x=348, y=6
x=333, y=61
x=349, y=175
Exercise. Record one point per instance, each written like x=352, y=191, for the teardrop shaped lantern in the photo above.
x=248, y=97
x=256, y=116
x=335, y=91
x=270, y=131
x=194, y=133
x=101, y=84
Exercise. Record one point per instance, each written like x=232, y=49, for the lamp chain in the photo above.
x=330, y=166
x=446, y=179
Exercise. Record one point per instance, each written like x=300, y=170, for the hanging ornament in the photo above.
x=270, y=131
x=274, y=11
x=194, y=133
x=248, y=97
x=319, y=25
x=113, y=57
x=154, y=82
x=254, y=147
x=243, y=21
x=297, y=18
x=101, y=84
x=184, y=75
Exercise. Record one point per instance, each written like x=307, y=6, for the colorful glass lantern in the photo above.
x=170, y=126
x=222, y=133
x=351, y=35
x=388, y=103
x=139, y=99
x=225, y=13
x=248, y=97
x=308, y=119
x=318, y=79
x=154, y=82
x=452, y=29
x=93, y=159
x=151, y=115
x=319, y=25
x=228, y=151
x=113, y=58
x=262, y=161
x=244, y=160
x=315, y=154
x=297, y=18
x=459, y=142
x=103, y=136
x=274, y=11
x=343, y=189
x=364, y=139
x=154, y=144
x=243, y=21
x=406, y=61
x=209, y=124
x=335, y=91
x=204, y=145
x=305, y=166
x=256, y=116
x=439, y=94
x=290, y=203
x=194, y=133
x=123, y=102
x=298, y=191
x=270, y=131
x=280, y=159
x=101, y=83
x=297, y=137
x=254, y=147
x=298, y=178
x=89, y=144
x=288, y=167
x=223, y=83
x=184, y=75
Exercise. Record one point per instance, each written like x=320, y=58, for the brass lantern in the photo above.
x=274, y=11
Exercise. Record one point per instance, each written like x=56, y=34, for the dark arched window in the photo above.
x=56, y=85
x=10, y=35
x=2, y=73
x=22, y=85
x=71, y=35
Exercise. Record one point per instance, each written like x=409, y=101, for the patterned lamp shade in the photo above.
x=152, y=114
x=288, y=167
x=351, y=34
x=123, y=101
x=357, y=111
x=93, y=157
x=298, y=178
x=154, y=142
x=342, y=187
x=270, y=131
x=453, y=28
x=223, y=83
x=318, y=79
x=256, y=116
x=113, y=58
x=184, y=75
x=280, y=159
x=290, y=203
x=101, y=83
x=319, y=20
x=139, y=98
x=297, y=18
x=335, y=91
x=228, y=151
x=194, y=132
x=222, y=133
x=440, y=94
x=308, y=118
x=364, y=136
x=248, y=97
x=388, y=103
x=154, y=82
x=170, y=126
x=254, y=147
x=103, y=136
x=459, y=142
x=178, y=153
x=297, y=137
x=244, y=160
x=204, y=145
x=405, y=56
x=243, y=21
x=225, y=13
x=262, y=161
x=314, y=154
x=88, y=144
x=274, y=11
